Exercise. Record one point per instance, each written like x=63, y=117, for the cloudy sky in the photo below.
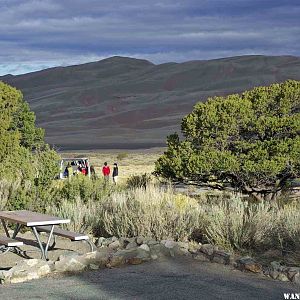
x=37, y=34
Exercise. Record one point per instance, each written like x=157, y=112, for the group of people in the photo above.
x=75, y=168
x=106, y=172
x=81, y=167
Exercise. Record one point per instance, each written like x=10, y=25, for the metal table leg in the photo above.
x=44, y=250
x=5, y=228
x=16, y=231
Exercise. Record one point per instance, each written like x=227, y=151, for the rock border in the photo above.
x=113, y=252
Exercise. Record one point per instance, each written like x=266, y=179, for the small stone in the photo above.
x=277, y=266
x=115, y=261
x=291, y=272
x=139, y=240
x=248, y=264
x=154, y=256
x=93, y=267
x=253, y=267
x=274, y=274
x=177, y=251
x=68, y=255
x=152, y=242
x=143, y=254
x=71, y=264
x=282, y=277
x=145, y=247
x=123, y=242
x=114, y=245
x=169, y=244
x=183, y=245
x=99, y=258
x=194, y=247
x=106, y=242
x=134, y=261
x=201, y=257
x=132, y=245
x=207, y=249
x=222, y=257
x=159, y=250
x=100, y=241
x=296, y=279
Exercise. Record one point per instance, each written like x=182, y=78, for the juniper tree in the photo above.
x=23, y=151
x=250, y=142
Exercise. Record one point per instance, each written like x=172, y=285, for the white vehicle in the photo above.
x=78, y=164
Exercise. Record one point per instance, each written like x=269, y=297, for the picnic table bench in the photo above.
x=73, y=236
x=7, y=243
x=38, y=223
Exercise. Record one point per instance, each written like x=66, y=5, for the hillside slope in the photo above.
x=123, y=102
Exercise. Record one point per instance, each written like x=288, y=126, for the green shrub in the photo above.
x=85, y=188
x=139, y=181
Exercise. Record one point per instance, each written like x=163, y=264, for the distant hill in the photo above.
x=123, y=102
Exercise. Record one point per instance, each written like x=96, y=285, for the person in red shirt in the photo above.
x=106, y=171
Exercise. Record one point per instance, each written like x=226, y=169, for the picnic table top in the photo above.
x=30, y=218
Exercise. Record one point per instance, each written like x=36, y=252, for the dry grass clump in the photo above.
x=82, y=214
x=239, y=224
x=152, y=212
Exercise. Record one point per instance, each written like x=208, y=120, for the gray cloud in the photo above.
x=36, y=34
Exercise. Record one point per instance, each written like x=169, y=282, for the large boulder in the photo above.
x=69, y=263
x=27, y=270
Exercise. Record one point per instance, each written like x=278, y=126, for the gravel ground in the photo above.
x=182, y=278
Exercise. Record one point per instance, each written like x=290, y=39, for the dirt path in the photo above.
x=167, y=279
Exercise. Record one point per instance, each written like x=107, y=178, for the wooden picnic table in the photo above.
x=32, y=220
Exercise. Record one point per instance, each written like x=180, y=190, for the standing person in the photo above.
x=93, y=173
x=106, y=171
x=70, y=170
x=115, y=173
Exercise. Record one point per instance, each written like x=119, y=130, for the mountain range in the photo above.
x=129, y=103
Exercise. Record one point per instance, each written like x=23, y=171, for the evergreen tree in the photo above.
x=250, y=142
x=23, y=151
